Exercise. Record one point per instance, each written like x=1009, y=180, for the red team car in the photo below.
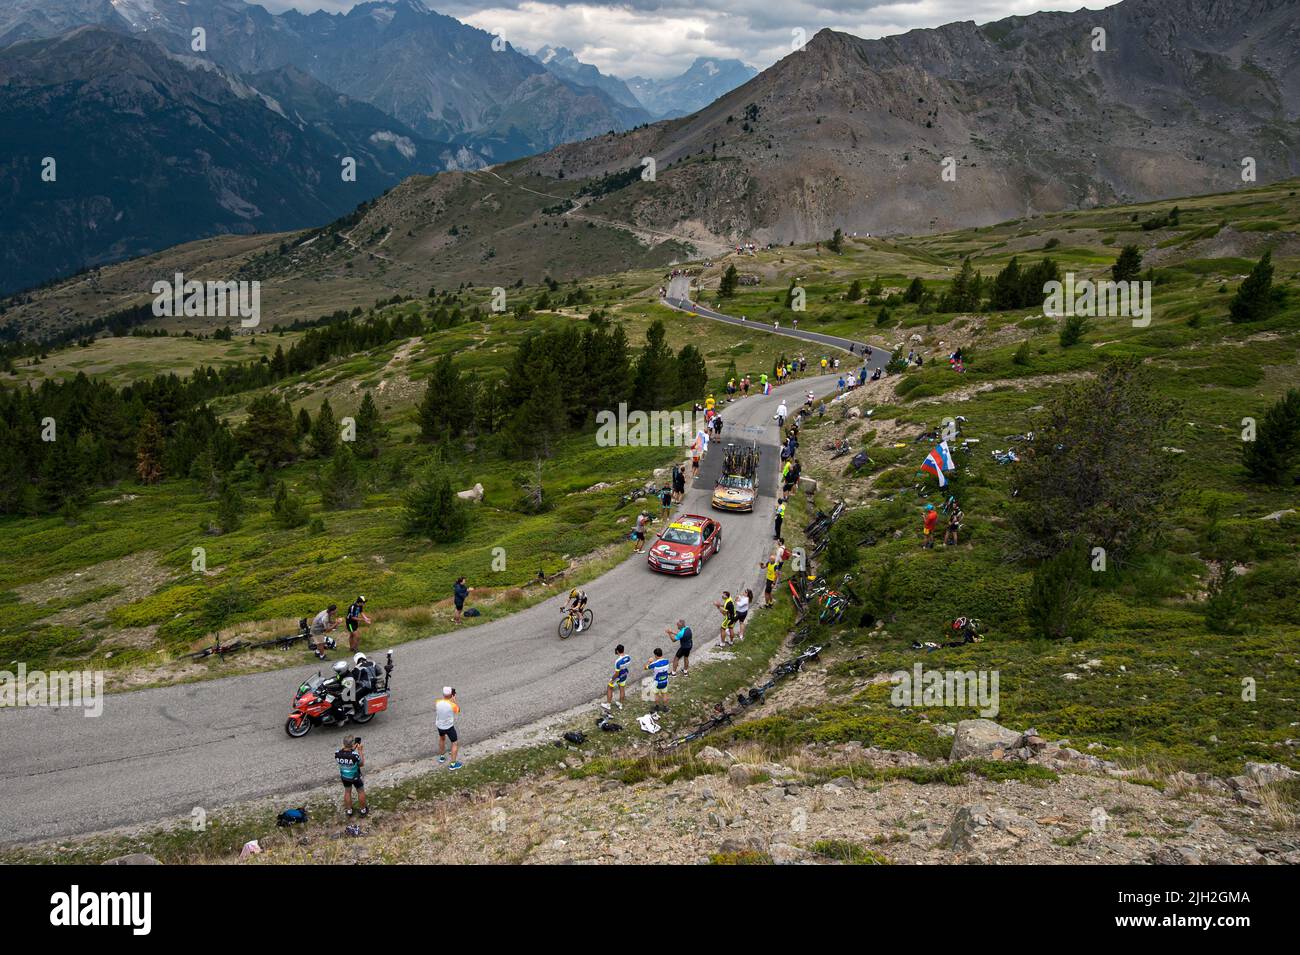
x=685, y=545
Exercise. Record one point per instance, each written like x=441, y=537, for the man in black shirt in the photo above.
x=350, y=759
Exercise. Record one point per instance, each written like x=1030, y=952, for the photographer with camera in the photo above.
x=350, y=760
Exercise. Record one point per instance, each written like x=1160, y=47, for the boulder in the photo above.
x=738, y=775
x=967, y=823
x=808, y=485
x=976, y=738
x=1264, y=774
x=473, y=494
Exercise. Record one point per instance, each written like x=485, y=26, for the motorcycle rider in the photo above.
x=340, y=690
x=363, y=672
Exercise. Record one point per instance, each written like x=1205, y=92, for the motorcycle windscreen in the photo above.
x=376, y=702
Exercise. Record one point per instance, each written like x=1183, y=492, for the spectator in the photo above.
x=658, y=667
x=780, y=516
x=769, y=581
x=324, y=623
x=931, y=519
x=638, y=532
x=665, y=500
x=445, y=712
x=356, y=616
x=954, y=523
x=684, y=639
x=743, y=600
x=622, y=663
x=350, y=759
x=458, y=594
x=679, y=482
x=727, y=607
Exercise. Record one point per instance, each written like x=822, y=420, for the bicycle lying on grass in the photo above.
x=223, y=650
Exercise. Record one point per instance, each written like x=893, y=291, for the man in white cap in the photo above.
x=445, y=711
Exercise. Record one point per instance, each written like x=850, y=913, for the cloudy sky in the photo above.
x=660, y=38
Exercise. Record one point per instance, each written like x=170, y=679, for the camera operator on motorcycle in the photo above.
x=340, y=690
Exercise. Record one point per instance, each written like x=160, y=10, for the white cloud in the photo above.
x=660, y=38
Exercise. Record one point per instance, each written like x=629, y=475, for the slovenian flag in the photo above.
x=933, y=464
x=946, y=455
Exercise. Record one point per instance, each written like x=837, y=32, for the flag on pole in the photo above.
x=767, y=388
x=933, y=464
x=946, y=455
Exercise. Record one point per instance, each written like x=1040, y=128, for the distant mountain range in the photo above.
x=706, y=80
x=1025, y=115
x=398, y=87
x=1029, y=117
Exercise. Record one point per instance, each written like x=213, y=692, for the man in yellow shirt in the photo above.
x=769, y=581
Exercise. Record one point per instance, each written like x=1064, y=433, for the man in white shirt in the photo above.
x=444, y=718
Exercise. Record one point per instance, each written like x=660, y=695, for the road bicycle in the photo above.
x=720, y=717
x=570, y=618
x=220, y=649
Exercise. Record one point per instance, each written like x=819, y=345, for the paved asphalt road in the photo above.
x=158, y=753
x=679, y=297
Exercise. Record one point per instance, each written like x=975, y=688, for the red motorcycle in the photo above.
x=323, y=701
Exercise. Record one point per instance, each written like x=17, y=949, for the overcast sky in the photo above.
x=660, y=38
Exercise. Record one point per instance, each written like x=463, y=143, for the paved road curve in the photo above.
x=160, y=752
x=679, y=297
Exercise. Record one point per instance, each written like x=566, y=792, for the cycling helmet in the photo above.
x=574, y=594
x=340, y=667
x=361, y=600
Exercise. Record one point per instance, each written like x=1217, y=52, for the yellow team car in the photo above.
x=735, y=492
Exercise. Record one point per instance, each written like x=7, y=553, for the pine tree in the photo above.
x=1128, y=266
x=287, y=510
x=655, y=377
x=730, y=279
x=268, y=434
x=447, y=408
x=1057, y=606
x=324, y=432
x=149, y=450
x=692, y=374
x=1256, y=298
x=303, y=425
x=836, y=244
x=432, y=508
x=370, y=428
x=230, y=509
x=341, y=481
x=1272, y=457
x=855, y=292
x=1006, y=288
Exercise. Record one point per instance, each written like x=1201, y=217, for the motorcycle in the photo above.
x=314, y=704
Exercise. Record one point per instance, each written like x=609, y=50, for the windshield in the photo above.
x=736, y=481
x=681, y=535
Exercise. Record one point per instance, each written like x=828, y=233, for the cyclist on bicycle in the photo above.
x=577, y=603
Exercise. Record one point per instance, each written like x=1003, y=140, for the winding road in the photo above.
x=158, y=753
